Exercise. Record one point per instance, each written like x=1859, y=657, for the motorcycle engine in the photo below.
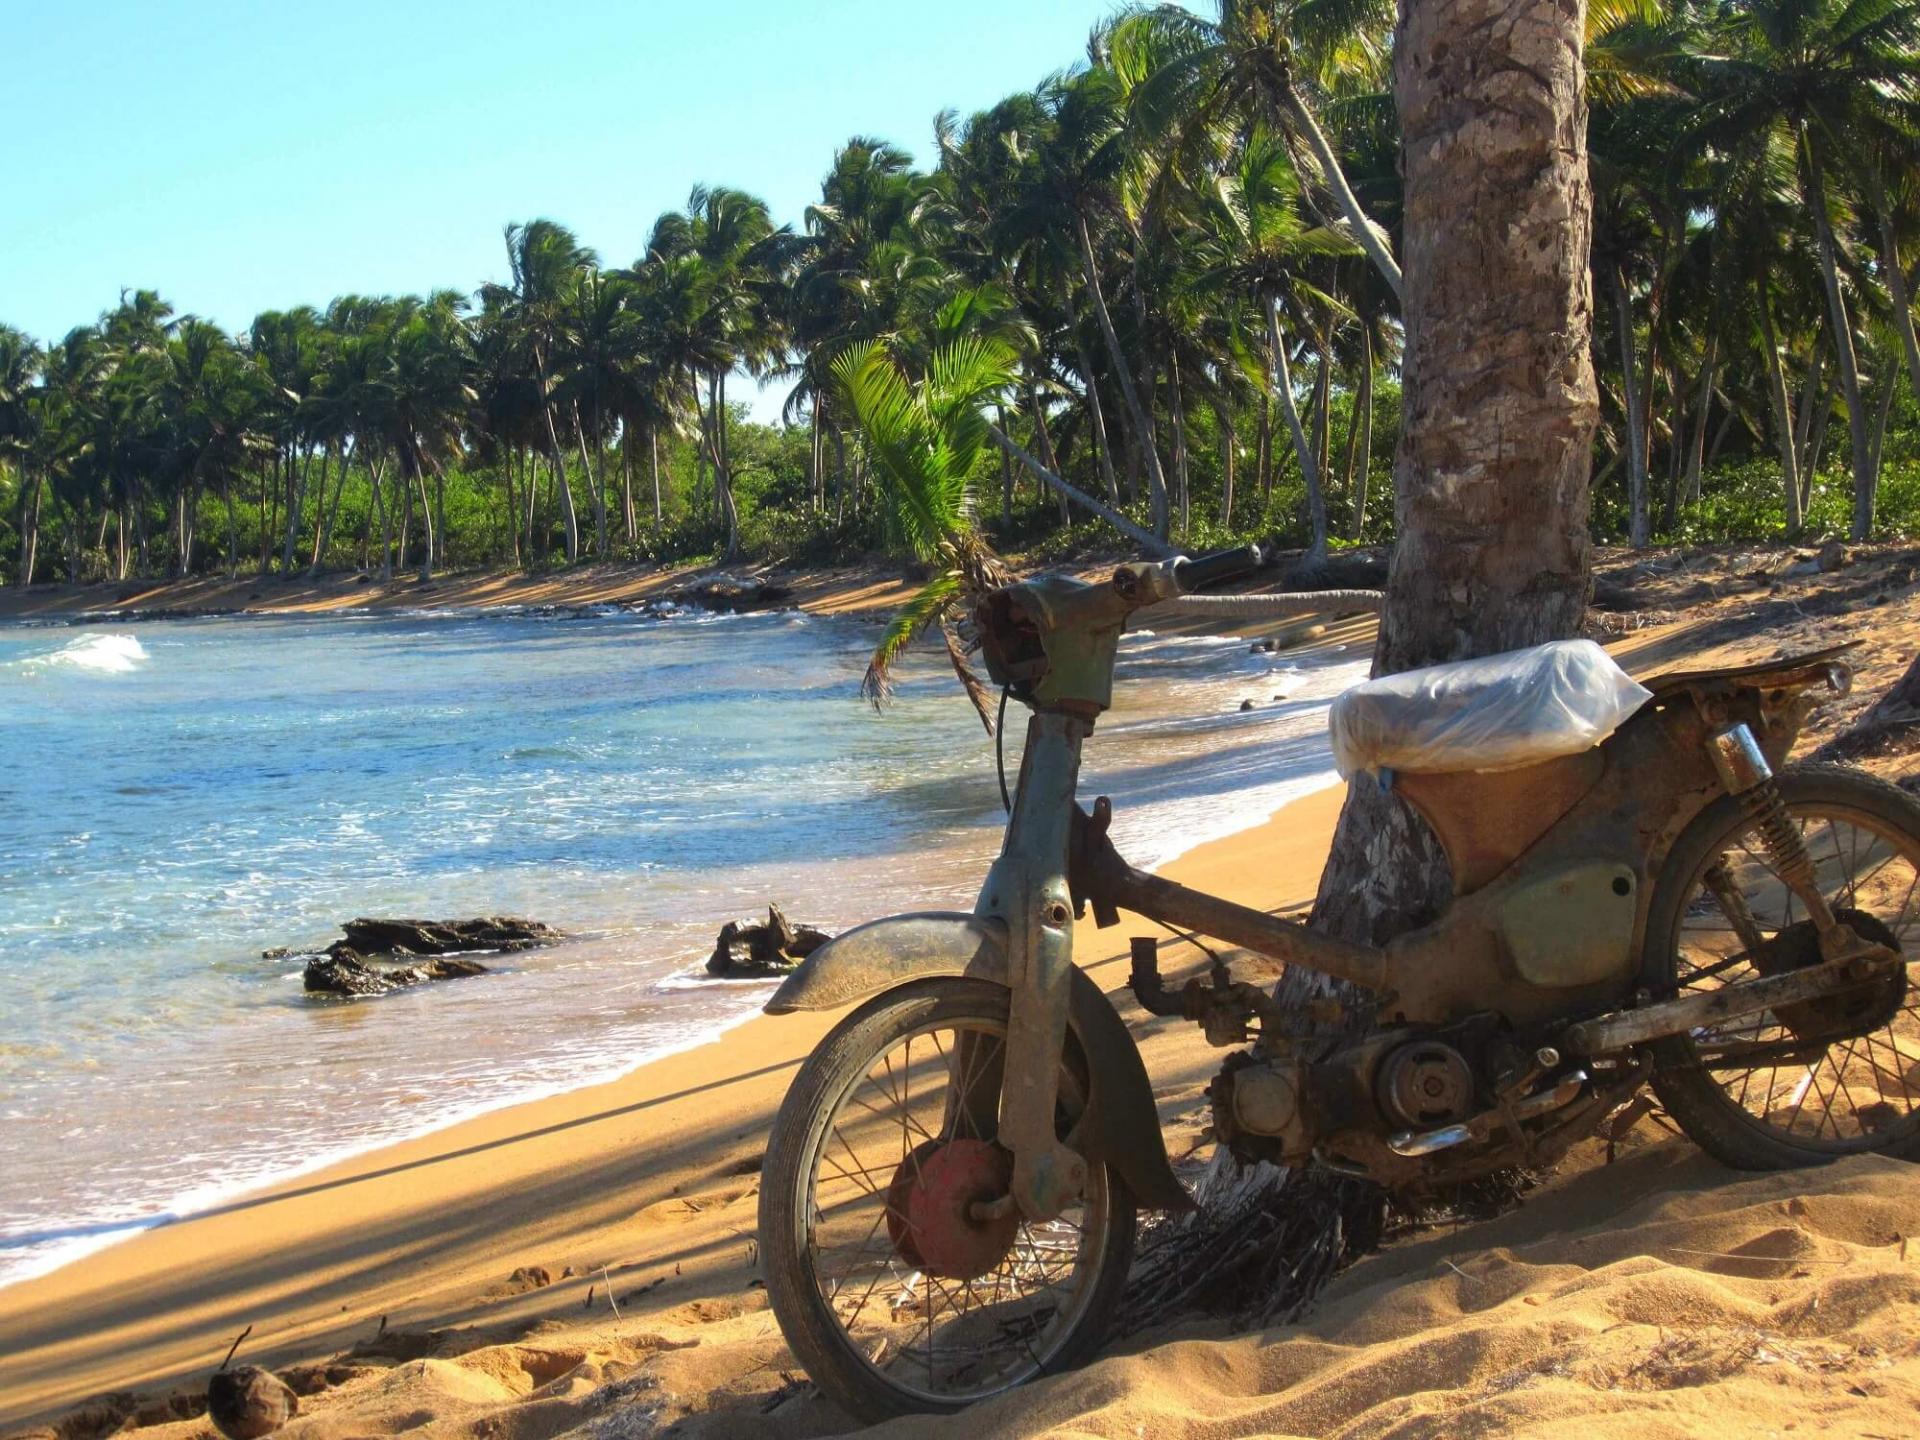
x=1425, y=1084
x=1277, y=1107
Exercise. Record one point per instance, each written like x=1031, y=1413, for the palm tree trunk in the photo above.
x=1696, y=451
x=29, y=533
x=1044, y=440
x=595, y=464
x=1142, y=427
x=1097, y=414
x=1865, y=481
x=596, y=487
x=1896, y=281
x=723, y=471
x=1152, y=544
x=653, y=461
x=296, y=500
x=1006, y=475
x=1493, y=551
x=1358, y=478
x=411, y=458
x=1810, y=391
x=1229, y=458
x=406, y=512
x=326, y=509
x=1889, y=386
x=385, y=498
x=815, y=491
x=1263, y=450
x=233, y=530
x=1372, y=239
x=839, y=476
x=1817, y=440
x=1782, y=407
x=1322, y=413
x=627, y=515
x=1638, y=526
x=530, y=491
x=568, y=519
x=1177, y=403
x=1303, y=451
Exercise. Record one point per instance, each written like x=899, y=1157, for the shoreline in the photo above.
x=314, y=1261
x=856, y=589
x=840, y=595
x=106, y=1235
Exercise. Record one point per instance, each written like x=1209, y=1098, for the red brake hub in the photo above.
x=929, y=1206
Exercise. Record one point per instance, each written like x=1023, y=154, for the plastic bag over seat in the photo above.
x=1500, y=712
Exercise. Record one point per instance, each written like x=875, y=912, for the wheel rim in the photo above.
x=947, y=1341
x=1804, y=1075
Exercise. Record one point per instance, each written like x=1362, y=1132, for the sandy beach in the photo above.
x=1659, y=1295
x=587, y=1263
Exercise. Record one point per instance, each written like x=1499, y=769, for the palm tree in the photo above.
x=736, y=261
x=1255, y=65
x=1253, y=242
x=427, y=394
x=1835, y=78
x=546, y=264
x=19, y=372
x=213, y=401
x=928, y=437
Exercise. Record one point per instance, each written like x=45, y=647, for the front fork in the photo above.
x=1027, y=889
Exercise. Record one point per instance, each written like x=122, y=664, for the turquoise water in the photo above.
x=177, y=797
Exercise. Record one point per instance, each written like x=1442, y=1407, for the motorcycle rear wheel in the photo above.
x=861, y=1125
x=1817, y=1081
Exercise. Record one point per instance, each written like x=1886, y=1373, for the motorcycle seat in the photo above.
x=1499, y=712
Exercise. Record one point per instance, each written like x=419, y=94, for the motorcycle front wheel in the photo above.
x=891, y=1291
x=1814, y=1081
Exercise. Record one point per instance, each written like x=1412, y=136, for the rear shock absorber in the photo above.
x=1746, y=774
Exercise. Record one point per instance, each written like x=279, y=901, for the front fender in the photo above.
x=1123, y=1126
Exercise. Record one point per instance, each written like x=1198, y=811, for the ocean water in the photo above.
x=177, y=797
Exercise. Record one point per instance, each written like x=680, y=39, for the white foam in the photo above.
x=102, y=654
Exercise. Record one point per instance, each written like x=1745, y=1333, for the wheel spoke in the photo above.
x=1825, y=1095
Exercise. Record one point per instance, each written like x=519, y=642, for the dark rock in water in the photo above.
x=343, y=972
x=730, y=593
x=747, y=948
x=445, y=937
x=345, y=967
x=246, y=1402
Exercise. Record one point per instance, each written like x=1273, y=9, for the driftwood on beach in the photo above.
x=376, y=956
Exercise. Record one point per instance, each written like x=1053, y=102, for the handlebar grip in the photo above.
x=1191, y=575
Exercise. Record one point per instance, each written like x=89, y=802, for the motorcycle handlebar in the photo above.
x=1205, y=570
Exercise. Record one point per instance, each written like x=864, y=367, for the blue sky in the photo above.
x=242, y=157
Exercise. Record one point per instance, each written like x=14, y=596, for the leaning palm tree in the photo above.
x=929, y=437
x=1259, y=63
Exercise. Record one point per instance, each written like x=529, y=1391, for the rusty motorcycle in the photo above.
x=1643, y=895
